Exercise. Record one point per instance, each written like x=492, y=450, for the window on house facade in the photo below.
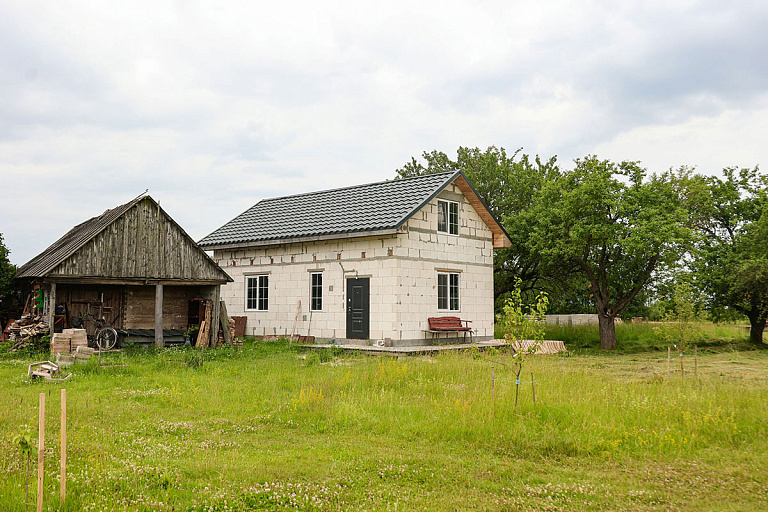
x=316, y=291
x=447, y=291
x=447, y=217
x=257, y=293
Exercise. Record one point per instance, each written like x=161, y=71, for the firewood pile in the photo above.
x=26, y=330
x=230, y=323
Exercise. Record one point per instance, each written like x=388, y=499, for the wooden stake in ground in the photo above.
x=696, y=361
x=669, y=360
x=493, y=392
x=40, y=453
x=63, y=474
x=682, y=373
x=533, y=388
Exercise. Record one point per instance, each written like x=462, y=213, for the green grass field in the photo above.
x=271, y=427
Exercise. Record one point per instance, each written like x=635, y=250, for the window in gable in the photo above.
x=257, y=293
x=447, y=217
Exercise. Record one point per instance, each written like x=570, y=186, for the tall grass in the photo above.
x=272, y=427
x=640, y=337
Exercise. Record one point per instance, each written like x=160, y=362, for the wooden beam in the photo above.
x=52, y=308
x=215, y=311
x=159, y=316
x=128, y=281
x=500, y=239
x=224, y=320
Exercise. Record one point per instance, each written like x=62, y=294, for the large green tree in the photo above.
x=508, y=185
x=614, y=224
x=7, y=270
x=731, y=260
x=8, y=302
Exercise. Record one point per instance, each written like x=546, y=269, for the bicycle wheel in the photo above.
x=106, y=338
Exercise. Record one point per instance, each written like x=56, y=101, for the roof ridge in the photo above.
x=351, y=187
x=61, y=243
x=365, y=207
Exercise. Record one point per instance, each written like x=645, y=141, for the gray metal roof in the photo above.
x=372, y=207
x=75, y=238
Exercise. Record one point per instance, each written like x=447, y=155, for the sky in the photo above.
x=213, y=106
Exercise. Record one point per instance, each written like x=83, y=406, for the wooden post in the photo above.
x=215, y=312
x=40, y=453
x=696, y=361
x=493, y=392
x=669, y=360
x=63, y=449
x=159, y=316
x=52, y=308
x=533, y=387
x=682, y=372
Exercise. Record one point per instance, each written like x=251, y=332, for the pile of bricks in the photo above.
x=68, y=340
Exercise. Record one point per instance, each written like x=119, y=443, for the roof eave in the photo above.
x=302, y=239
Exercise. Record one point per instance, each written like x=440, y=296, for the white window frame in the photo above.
x=312, y=288
x=449, y=205
x=451, y=288
x=258, y=288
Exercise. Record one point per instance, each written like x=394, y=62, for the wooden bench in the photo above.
x=448, y=324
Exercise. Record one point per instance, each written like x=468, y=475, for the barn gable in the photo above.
x=134, y=241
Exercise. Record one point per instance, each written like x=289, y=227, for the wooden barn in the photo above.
x=131, y=268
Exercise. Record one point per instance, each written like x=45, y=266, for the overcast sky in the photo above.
x=213, y=106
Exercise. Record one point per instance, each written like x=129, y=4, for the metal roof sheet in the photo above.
x=370, y=207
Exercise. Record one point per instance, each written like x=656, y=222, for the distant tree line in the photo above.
x=8, y=297
x=611, y=238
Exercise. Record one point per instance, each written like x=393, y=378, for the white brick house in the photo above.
x=366, y=262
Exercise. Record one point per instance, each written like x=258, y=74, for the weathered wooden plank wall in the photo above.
x=143, y=243
x=140, y=306
x=78, y=297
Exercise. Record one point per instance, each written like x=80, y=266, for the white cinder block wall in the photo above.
x=402, y=269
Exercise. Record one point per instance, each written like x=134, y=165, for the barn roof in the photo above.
x=75, y=238
x=84, y=233
x=360, y=210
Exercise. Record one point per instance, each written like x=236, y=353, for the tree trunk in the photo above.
x=757, y=326
x=607, y=332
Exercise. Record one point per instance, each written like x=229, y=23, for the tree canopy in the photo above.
x=731, y=258
x=609, y=236
x=616, y=226
x=7, y=270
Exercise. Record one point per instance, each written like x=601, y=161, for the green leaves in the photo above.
x=23, y=440
x=731, y=257
x=7, y=270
